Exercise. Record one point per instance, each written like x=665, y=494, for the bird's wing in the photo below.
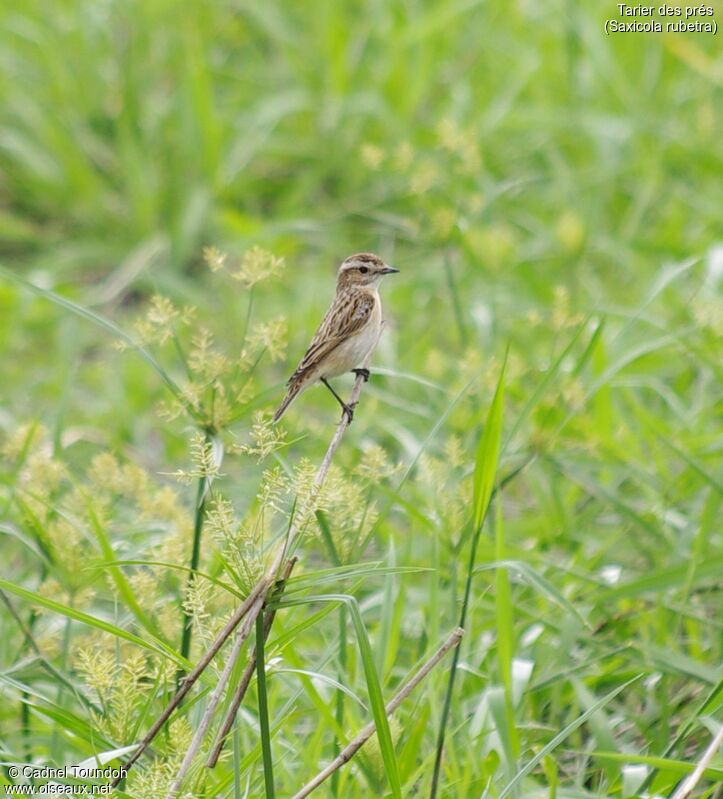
x=346, y=316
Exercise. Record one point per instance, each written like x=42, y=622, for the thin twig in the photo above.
x=366, y=733
x=193, y=676
x=686, y=787
x=248, y=673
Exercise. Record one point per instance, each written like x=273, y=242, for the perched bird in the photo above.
x=348, y=331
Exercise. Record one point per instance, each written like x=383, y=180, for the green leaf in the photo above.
x=707, y=704
x=175, y=567
x=538, y=582
x=499, y=711
x=317, y=675
x=313, y=579
x=545, y=383
x=483, y=485
x=663, y=764
x=387, y=614
x=326, y=536
x=660, y=580
x=693, y=463
x=505, y=640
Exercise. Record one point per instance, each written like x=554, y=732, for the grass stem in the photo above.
x=250, y=609
x=453, y=670
x=200, y=732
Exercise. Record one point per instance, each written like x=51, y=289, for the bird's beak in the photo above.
x=389, y=270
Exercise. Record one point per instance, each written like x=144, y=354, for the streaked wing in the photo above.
x=347, y=315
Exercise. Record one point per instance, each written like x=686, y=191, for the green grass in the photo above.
x=542, y=187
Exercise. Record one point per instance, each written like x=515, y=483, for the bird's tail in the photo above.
x=291, y=395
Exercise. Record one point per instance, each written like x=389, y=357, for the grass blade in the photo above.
x=505, y=635
x=661, y=764
x=708, y=702
x=538, y=582
x=158, y=646
x=659, y=581
x=117, y=575
x=544, y=384
x=186, y=616
x=488, y=453
x=105, y=324
x=376, y=700
x=339, y=710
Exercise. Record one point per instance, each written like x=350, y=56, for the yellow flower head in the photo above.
x=266, y=437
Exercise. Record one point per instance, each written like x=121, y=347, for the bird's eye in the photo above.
x=364, y=269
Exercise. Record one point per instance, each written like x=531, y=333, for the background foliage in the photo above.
x=538, y=184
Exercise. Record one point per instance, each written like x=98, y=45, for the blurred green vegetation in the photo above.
x=539, y=184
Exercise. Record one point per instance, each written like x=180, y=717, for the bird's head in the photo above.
x=363, y=269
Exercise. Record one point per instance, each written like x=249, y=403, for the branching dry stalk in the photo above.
x=240, y=693
x=249, y=609
x=215, y=698
x=366, y=733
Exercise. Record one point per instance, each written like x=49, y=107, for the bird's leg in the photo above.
x=348, y=409
x=362, y=373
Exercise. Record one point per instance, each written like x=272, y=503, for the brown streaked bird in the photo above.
x=347, y=333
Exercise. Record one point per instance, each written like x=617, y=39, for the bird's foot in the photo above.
x=362, y=373
x=349, y=412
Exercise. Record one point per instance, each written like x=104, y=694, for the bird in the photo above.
x=347, y=333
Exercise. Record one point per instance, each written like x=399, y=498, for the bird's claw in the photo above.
x=349, y=412
x=362, y=373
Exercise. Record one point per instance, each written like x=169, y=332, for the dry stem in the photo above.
x=366, y=733
x=686, y=787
